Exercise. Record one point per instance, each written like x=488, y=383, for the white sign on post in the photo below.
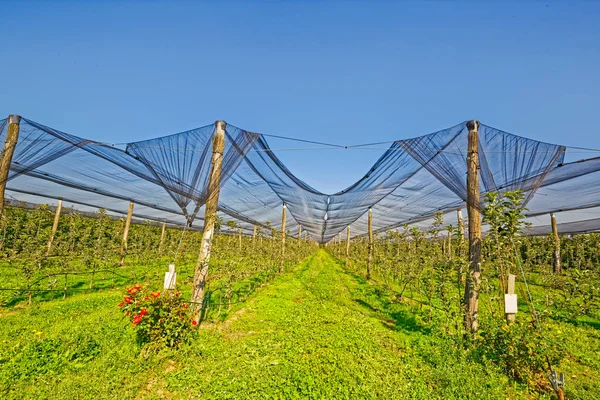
x=170, y=278
x=510, y=303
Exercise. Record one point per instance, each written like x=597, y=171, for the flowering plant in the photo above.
x=162, y=319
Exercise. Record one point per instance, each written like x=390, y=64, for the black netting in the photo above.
x=167, y=179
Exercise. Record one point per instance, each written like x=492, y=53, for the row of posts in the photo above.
x=218, y=147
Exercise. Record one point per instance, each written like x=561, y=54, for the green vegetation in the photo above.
x=318, y=330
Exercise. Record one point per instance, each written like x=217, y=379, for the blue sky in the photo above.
x=341, y=72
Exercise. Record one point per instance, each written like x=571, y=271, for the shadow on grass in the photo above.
x=587, y=322
x=379, y=300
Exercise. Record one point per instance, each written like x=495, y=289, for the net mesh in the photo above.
x=168, y=180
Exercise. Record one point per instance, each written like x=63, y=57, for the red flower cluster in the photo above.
x=137, y=319
x=134, y=289
x=157, y=318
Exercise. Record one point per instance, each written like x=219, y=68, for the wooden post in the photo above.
x=254, y=235
x=449, y=248
x=54, y=226
x=556, y=261
x=210, y=216
x=347, y=245
x=461, y=226
x=510, y=290
x=126, y=233
x=283, y=217
x=398, y=243
x=370, y=249
x=473, y=281
x=162, y=237
x=12, y=137
x=299, y=232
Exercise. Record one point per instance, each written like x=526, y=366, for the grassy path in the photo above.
x=314, y=332
x=320, y=332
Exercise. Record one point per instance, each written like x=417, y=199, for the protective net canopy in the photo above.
x=167, y=178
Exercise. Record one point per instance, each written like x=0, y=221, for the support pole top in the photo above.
x=220, y=124
x=14, y=119
x=473, y=125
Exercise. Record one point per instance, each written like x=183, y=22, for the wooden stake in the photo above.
x=254, y=235
x=126, y=233
x=556, y=261
x=162, y=237
x=210, y=216
x=449, y=248
x=347, y=245
x=473, y=281
x=397, y=243
x=54, y=226
x=283, y=217
x=461, y=227
x=12, y=137
x=510, y=317
x=370, y=255
x=299, y=232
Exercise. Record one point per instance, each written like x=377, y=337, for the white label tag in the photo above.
x=510, y=304
x=170, y=280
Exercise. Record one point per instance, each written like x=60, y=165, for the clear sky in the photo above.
x=341, y=72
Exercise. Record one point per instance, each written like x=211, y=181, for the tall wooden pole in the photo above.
x=126, y=233
x=162, y=237
x=54, y=226
x=461, y=226
x=347, y=245
x=254, y=235
x=370, y=255
x=556, y=261
x=210, y=216
x=299, y=232
x=283, y=217
x=473, y=281
x=12, y=137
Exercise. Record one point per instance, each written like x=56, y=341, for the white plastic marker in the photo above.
x=170, y=278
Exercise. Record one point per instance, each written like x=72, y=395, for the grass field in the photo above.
x=316, y=331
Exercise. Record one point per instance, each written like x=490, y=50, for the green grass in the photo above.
x=316, y=331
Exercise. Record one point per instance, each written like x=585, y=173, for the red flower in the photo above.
x=194, y=323
x=143, y=311
x=146, y=298
x=136, y=319
x=155, y=294
x=177, y=293
x=128, y=299
x=121, y=304
x=128, y=313
x=132, y=290
x=185, y=306
x=138, y=286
